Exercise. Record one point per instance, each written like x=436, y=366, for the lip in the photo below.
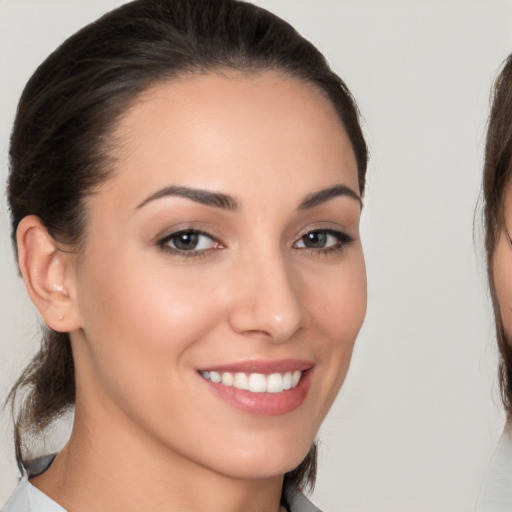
x=263, y=404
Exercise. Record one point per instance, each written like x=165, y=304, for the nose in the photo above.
x=266, y=299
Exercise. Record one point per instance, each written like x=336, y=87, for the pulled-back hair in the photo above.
x=61, y=143
x=497, y=174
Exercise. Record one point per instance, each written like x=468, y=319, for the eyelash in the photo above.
x=343, y=239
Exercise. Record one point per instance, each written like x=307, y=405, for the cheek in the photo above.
x=337, y=307
x=142, y=292
x=140, y=319
x=339, y=304
x=141, y=335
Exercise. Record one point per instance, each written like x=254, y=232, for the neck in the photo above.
x=124, y=470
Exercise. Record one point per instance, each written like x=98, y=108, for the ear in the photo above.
x=48, y=274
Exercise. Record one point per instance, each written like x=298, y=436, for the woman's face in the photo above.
x=502, y=264
x=225, y=246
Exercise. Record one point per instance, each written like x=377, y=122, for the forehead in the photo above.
x=204, y=129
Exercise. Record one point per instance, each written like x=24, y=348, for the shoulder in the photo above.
x=299, y=503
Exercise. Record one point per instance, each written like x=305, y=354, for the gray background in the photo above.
x=419, y=415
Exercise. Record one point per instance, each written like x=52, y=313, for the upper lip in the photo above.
x=261, y=366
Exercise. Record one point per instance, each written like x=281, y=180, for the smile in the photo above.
x=255, y=382
x=261, y=387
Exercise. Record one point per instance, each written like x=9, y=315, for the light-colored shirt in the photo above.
x=496, y=491
x=27, y=498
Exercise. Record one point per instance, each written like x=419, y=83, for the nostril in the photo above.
x=258, y=333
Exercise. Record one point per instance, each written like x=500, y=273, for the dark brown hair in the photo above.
x=497, y=174
x=61, y=140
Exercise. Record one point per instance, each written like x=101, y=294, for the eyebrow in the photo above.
x=205, y=197
x=227, y=202
x=329, y=193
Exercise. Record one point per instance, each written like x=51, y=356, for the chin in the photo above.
x=266, y=462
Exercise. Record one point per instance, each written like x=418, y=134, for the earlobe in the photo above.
x=47, y=273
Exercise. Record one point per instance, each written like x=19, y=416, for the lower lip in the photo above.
x=264, y=404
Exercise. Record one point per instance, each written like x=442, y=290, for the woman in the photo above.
x=496, y=492
x=185, y=190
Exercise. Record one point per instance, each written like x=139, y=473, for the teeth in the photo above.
x=256, y=382
x=227, y=379
x=214, y=376
x=275, y=383
x=287, y=380
x=241, y=381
